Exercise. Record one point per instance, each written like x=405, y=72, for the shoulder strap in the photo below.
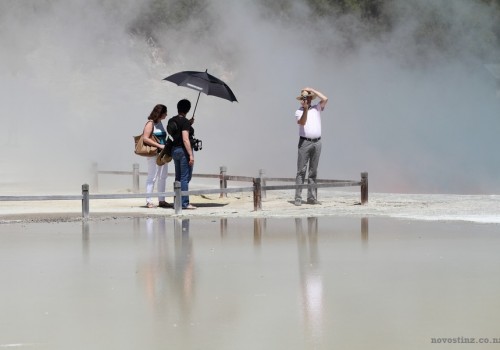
x=152, y=130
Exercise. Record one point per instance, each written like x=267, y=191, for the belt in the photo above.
x=312, y=140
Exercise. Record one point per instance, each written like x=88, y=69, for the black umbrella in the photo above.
x=202, y=82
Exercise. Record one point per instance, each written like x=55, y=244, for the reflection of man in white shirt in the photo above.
x=311, y=279
x=309, y=150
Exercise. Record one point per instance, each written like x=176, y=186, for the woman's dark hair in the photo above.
x=157, y=113
x=183, y=106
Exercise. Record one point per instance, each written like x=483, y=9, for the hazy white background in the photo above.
x=77, y=83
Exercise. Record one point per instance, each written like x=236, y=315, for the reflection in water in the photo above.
x=311, y=282
x=137, y=224
x=166, y=275
x=183, y=268
x=364, y=230
x=169, y=278
x=154, y=271
x=85, y=240
x=223, y=227
x=259, y=227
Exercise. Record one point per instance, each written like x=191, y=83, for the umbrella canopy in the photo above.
x=202, y=82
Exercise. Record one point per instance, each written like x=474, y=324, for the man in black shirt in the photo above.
x=182, y=152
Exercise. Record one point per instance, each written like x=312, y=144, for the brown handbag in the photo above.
x=145, y=150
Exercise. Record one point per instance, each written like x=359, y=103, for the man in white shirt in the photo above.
x=309, y=119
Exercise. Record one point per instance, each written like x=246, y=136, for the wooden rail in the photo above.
x=258, y=188
x=223, y=177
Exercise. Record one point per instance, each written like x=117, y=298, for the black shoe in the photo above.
x=298, y=202
x=313, y=202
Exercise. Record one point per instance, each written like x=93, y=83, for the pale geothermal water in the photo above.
x=310, y=283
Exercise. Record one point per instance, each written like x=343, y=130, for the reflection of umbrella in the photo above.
x=202, y=82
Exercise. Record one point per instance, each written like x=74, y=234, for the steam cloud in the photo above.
x=79, y=79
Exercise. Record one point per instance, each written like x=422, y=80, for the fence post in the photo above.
x=85, y=201
x=262, y=177
x=95, y=177
x=177, y=197
x=135, y=177
x=223, y=180
x=257, y=194
x=364, y=188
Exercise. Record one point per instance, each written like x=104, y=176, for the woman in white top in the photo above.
x=156, y=172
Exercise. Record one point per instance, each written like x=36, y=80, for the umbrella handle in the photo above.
x=196, y=105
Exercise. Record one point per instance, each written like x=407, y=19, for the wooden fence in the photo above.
x=259, y=187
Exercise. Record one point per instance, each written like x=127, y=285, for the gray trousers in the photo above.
x=309, y=152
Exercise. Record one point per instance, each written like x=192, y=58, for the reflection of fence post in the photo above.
x=364, y=229
x=135, y=178
x=262, y=173
x=177, y=197
x=257, y=194
x=223, y=180
x=223, y=227
x=364, y=188
x=177, y=228
x=85, y=201
x=257, y=231
x=95, y=177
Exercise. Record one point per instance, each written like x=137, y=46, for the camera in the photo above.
x=304, y=98
x=197, y=145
